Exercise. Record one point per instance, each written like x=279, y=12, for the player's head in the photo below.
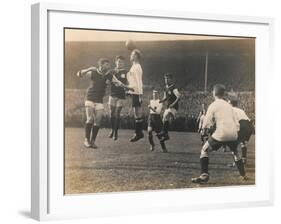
x=203, y=111
x=234, y=102
x=169, y=79
x=218, y=91
x=119, y=61
x=155, y=94
x=104, y=64
x=135, y=55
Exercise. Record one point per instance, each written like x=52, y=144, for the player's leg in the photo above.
x=168, y=117
x=237, y=159
x=210, y=145
x=158, y=128
x=117, y=121
x=112, y=105
x=99, y=110
x=202, y=138
x=244, y=135
x=88, y=125
x=150, y=138
x=204, y=165
x=138, y=118
x=244, y=150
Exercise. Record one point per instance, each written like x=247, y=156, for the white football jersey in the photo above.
x=222, y=115
x=240, y=114
x=134, y=77
x=156, y=106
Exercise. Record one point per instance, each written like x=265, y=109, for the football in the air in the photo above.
x=130, y=45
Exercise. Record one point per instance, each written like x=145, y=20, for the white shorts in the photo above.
x=172, y=111
x=115, y=101
x=95, y=106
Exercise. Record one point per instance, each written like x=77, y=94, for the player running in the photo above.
x=245, y=128
x=134, y=78
x=94, y=98
x=172, y=97
x=117, y=96
x=154, y=121
x=200, y=127
x=221, y=114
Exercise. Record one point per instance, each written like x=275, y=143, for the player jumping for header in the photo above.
x=172, y=97
x=117, y=96
x=221, y=114
x=134, y=78
x=154, y=121
x=94, y=97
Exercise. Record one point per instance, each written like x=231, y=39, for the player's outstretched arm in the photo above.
x=85, y=72
x=117, y=82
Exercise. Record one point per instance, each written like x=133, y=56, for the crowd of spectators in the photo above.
x=190, y=106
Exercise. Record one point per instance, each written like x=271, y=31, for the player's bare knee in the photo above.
x=205, y=150
x=90, y=120
x=166, y=117
x=236, y=155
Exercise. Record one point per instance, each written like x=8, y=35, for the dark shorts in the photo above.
x=215, y=145
x=246, y=130
x=136, y=102
x=155, y=122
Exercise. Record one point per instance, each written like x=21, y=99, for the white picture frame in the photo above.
x=48, y=201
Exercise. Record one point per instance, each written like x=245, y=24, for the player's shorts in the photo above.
x=115, y=101
x=155, y=122
x=215, y=144
x=172, y=111
x=136, y=100
x=93, y=105
x=246, y=130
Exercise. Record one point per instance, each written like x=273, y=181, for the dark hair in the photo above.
x=119, y=57
x=234, y=103
x=219, y=90
x=138, y=53
x=168, y=75
x=102, y=61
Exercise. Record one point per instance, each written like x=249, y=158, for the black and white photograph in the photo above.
x=157, y=111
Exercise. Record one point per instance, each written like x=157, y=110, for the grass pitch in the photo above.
x=118, y=166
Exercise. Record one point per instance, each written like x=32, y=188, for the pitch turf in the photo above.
x=123, y=166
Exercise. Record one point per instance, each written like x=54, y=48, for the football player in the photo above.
x=94, y=97
x=134, y=78
x=172, y=97
x=245, y=128
x=200, y=127
x=220, y=114
x=117, y=96
x=154, y=120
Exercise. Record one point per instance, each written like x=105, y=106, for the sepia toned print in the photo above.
x=154, y=111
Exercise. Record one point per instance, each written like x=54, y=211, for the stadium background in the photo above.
x=230, y=62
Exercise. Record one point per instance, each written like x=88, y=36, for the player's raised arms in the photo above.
x=86, y=72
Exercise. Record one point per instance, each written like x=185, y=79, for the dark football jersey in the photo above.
x=96, y=90
x=117, y=91
x=171, y=97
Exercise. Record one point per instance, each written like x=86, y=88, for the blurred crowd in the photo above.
x=191, y=104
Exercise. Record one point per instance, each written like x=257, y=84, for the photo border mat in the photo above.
x=40, y=186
